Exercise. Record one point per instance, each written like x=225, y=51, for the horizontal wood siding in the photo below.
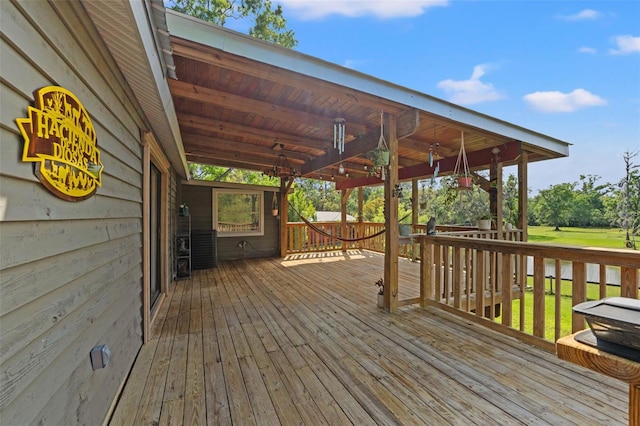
x=70, y=273
x=199, y=200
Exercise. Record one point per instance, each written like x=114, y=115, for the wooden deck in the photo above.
x=301, y=341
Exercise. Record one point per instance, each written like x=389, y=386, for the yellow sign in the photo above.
x=60, y=140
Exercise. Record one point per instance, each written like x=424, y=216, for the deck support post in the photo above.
x=522, y=194
x=415, y=211
x=426, y=271
x=284, y=214
x=495, y=192
x=344, y=196
x=391, y=220
x=360, y=215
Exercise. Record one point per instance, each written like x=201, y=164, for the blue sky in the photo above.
x=567, y=69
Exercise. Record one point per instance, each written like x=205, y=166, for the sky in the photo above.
x=566, y=69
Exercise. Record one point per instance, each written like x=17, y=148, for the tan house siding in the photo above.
x=70, y=272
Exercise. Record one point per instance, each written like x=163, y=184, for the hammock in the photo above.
x=335, y=237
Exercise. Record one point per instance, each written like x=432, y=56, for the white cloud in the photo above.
x=627, y=44
x=584, y=15
x=317, y=9
x=556, y=101
x=471, y=91
x=585, y=49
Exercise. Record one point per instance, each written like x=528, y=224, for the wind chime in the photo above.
x=431, y=153
x=338, y=134
x=338, y=139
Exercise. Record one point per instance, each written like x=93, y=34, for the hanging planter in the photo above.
x=461, y=170
x=464, y=182
x=274, y=205
x=380, y=155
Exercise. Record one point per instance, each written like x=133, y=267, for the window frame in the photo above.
x=240, y=192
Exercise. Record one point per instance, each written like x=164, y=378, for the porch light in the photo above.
x=338, y=134
x=341, y=169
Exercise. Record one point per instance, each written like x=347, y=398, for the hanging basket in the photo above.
x=274, y=205
x=461, y=170
x=384, y=157
x=464, y=182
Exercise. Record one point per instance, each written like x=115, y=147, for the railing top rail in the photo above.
x=613, y=257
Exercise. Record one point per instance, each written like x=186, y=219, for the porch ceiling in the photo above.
x=239, y=100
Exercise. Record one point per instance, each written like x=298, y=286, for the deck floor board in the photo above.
x=301, y=341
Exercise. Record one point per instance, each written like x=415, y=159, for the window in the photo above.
x=238, y=213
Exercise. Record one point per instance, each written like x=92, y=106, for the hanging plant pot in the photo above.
x=384, y=157
x=464, y=181
x=274, y=205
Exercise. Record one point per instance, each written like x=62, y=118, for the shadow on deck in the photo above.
x=300, y=340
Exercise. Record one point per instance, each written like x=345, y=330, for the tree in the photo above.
x=268, y=22
x=627, y=206
x=299, y=200
x=553, y=205
x=588, y=206
x=510, y=200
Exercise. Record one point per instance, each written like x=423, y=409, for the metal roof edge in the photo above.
x=150, y=31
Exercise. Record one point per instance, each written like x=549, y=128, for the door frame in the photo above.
x=152, y=153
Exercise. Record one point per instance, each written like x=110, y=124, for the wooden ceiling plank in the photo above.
x=214, y=144
x=197, y=122
x=192, y=50
x=249, y=105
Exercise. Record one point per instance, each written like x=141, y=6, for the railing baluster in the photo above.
x=629, y=282
x=558, y=298
x=446, y=258
x=468, y=279
x=457, y=276
x=579, y=294
x=538, y=297
x=506, y=278
x=493, y=280
x=479, y=270
x=603, y=281
x=439, y=271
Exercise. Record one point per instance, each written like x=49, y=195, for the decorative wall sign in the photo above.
x=60, y=140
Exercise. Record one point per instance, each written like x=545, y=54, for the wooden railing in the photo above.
x=493, y=278
x=302, y=239
x=524, y=286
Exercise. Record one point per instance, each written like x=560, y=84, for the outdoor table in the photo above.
x=589, y=356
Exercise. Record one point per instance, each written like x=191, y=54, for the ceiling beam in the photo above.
x=206, y=160
x=244, y=104
x=198, y=142
x=230, y=129
x=477, y=159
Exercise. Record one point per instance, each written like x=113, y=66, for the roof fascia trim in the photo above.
x=155, y=65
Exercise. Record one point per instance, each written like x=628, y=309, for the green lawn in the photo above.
x=593, y=293
x=584, y=237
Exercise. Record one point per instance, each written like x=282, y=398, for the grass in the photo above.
x=583, y=237
x=593, y=293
